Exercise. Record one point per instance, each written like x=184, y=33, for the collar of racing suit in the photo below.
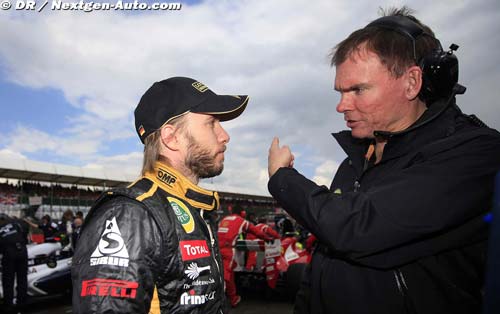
x=172, y=181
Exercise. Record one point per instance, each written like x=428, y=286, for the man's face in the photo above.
x=371, y=97
x=206, y=143
x=78, y=222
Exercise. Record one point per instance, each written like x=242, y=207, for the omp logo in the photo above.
x=109, y=287
x=200, y=87
x=183, y=214
x=194, y=249
x=111, y=249
x=194, y=271
x=190, y=297
x=166, y=177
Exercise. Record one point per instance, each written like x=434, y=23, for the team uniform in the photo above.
x=252, y=255
x=13, y=240
x=230, y=227
x=150, y=248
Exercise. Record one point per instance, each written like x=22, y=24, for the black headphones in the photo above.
x=439, y=68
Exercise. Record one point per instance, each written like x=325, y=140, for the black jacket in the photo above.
x=150, y=244
x=406, y=235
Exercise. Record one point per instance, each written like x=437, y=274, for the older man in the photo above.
x=401, y=229
x=152, y=247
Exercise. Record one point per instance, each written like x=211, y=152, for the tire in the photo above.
x=293, y=278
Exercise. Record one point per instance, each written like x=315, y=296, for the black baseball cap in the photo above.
x=176, y=96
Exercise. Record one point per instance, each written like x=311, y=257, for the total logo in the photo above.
x=191, y=298
x=194, y=249
x=111, y=249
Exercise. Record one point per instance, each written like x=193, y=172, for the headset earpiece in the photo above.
x=439, y=68
x=440, y=72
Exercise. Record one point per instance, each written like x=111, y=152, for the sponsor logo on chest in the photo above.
x=194, y=271
x=182, y=213
x=111, y=249
x=194, y=249
x=190, y=297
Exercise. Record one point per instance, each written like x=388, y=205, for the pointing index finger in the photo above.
x=275, y=143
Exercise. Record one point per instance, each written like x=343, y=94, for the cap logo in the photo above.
x=141, y=130
x=200, y=87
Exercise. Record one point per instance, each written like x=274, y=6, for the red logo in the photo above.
x=109, y=287
x=194, y=249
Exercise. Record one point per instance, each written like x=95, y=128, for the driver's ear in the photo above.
x=169, y=137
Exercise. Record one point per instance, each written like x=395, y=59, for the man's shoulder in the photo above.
x=233, y=217
x=472, y=135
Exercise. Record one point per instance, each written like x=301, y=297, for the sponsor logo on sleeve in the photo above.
x=109, y=288
x=190, y=297
x=194, y=249
x=223, y=230
x=111, y=249
x=183, y=214
x=7, y=230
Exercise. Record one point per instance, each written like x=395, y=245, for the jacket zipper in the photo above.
x=212, y=242
x=400, y=280
x=403, y=289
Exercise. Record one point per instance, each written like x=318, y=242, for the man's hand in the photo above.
x=278, y=157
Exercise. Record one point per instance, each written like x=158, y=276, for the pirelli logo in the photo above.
x=109, y=287
x=200, y=87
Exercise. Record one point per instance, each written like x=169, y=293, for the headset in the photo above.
x=439, y=68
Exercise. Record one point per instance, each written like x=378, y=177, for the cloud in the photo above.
x=324, y=172
x=29, y=140
x=275, y=51
x=126, y=165
x=9, y=154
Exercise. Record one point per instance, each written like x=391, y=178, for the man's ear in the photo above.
x=169, y=137
x=413, y=82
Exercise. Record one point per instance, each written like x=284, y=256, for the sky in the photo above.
x=70, y=80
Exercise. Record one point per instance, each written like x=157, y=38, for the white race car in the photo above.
x=49, y=269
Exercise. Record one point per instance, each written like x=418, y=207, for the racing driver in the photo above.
x=151, y=247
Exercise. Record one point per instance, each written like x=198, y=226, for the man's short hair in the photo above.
x=394, y=49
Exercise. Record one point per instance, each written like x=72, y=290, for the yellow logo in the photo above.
x=183, y=214
x=337, y=191
x=200, y=87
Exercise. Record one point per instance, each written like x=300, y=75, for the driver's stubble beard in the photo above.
x=199, y=160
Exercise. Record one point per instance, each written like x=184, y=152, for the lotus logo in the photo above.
x=183, y=214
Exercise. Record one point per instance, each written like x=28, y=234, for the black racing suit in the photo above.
x=406, y=234
x=13, y=238
x=151, y=246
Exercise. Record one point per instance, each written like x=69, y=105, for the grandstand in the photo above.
x=32, y=188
